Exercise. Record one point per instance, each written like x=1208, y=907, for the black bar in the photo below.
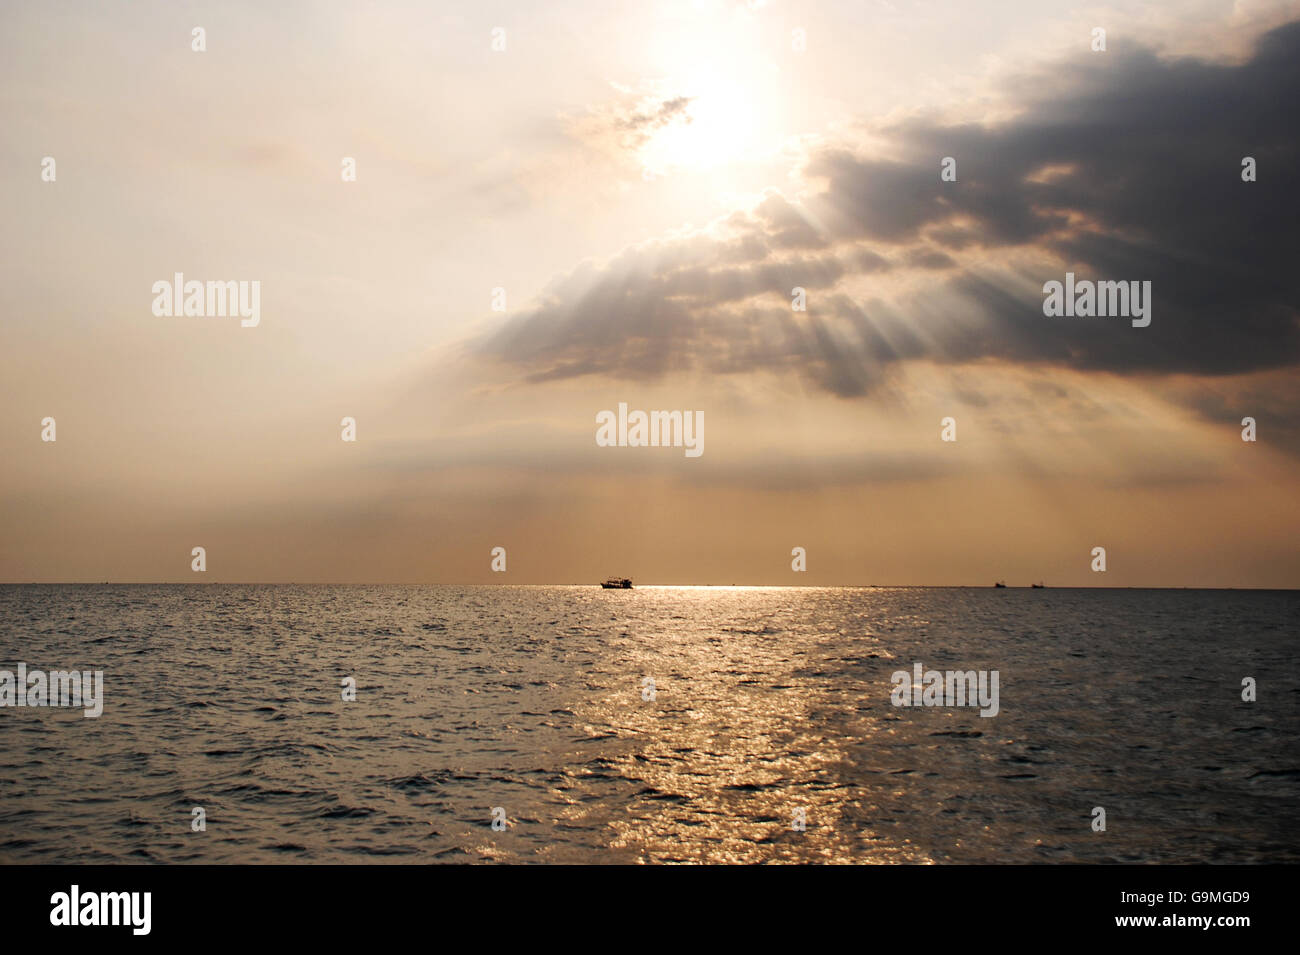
x=331, y=904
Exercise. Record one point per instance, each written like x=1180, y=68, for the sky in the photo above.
x=561, y=207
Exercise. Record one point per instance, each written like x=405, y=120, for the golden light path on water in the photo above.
x=733, y=743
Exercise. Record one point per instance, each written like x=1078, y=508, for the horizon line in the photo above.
x=303, y=583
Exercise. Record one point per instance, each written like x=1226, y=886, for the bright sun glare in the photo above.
x=719, y=126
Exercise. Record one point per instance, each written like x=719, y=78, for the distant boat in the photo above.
x=1037, y=586
x=999, y=584
x=618, y=583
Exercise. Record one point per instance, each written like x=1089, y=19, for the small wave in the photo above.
x=347, y=812
x=418, y=781
x=1276, y=773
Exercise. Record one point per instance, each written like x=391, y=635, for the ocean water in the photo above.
x=766, y=701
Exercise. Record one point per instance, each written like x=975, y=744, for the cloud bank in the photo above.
x=1121, y=166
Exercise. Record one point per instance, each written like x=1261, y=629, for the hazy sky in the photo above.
x=647, y=183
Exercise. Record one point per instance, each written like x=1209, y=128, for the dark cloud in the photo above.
x=1117, y=166
x=1269, y=401
x=930, y=259
x=660, y=115
x=786, y=226
x=633, y=125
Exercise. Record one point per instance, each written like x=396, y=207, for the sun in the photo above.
x=720, y=125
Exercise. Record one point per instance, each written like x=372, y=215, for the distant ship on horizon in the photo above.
x=617, y=583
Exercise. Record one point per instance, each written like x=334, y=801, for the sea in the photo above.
x=574, y=725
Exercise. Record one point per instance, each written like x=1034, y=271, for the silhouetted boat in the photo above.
x=1037, y=586
x=618, y=583
x=999, y=584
